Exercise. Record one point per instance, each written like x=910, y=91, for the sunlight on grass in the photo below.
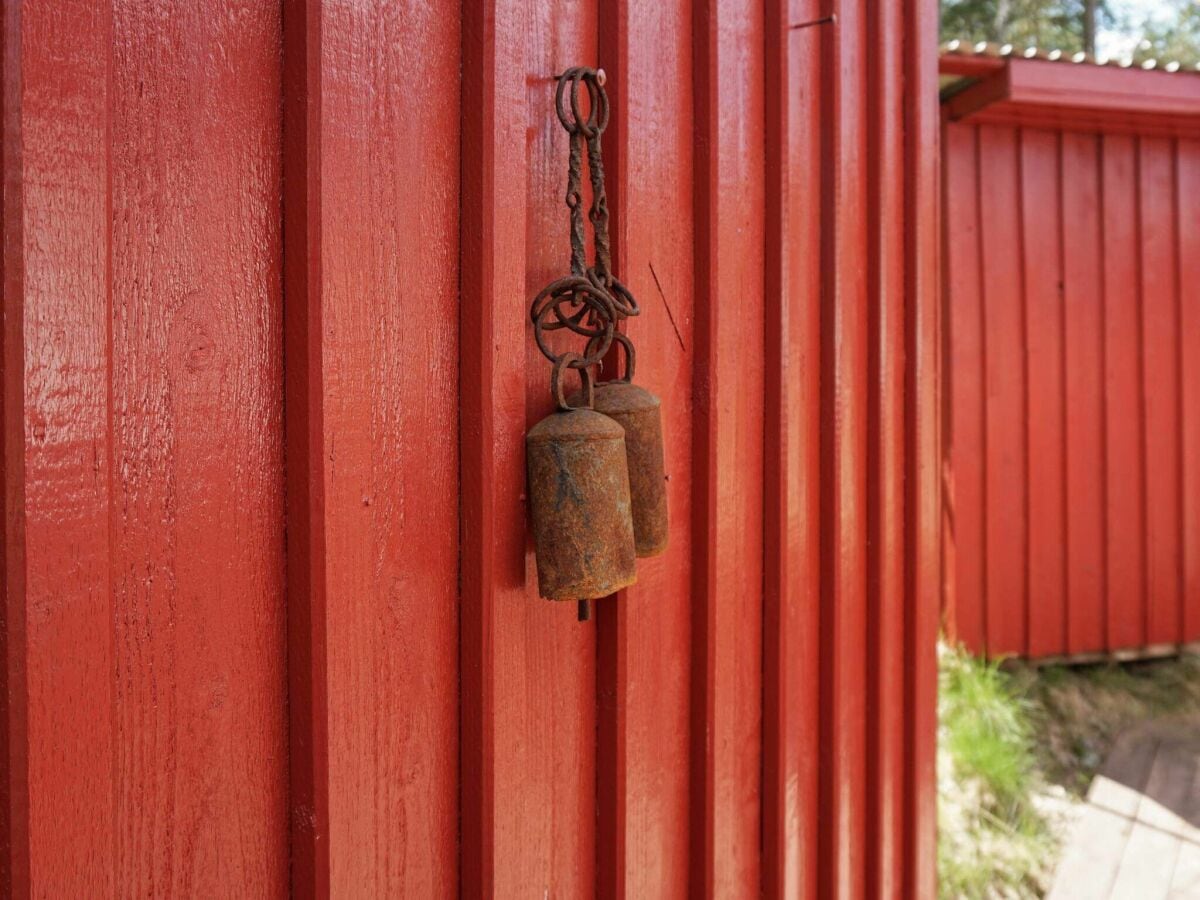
x=993, y=840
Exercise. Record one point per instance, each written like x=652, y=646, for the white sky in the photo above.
x=1109, y=43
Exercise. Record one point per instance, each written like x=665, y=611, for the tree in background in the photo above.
x=1073, y=25
x=1177, y=38
x=1069, y=25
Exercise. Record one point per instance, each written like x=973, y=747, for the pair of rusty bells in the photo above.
x=596, y=485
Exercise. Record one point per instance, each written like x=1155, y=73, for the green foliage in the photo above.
x=1051, y=24
x=1023, y=23
x=1175, y=38
x=992, y=839
x=987, y=731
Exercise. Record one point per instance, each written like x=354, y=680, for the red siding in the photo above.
x=145, y=662
x=270, y=619
x=1071, y=442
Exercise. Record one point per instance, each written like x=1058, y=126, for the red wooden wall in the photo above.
x=270, y=615
x=1073, y=418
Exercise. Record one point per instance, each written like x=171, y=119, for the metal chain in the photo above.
x=589, y=301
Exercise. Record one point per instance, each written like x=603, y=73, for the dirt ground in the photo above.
x=1078, y=711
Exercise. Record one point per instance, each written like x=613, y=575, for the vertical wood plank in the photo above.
x=308, y=734
x=382, y=164
x=1084, y=372
x=885, y=523
x=197, y=568
x=1042, y=183
x=967, y=401
x=1161, y=387
x=59, y=821
x=844, y=330
x=1123, y=414
x=728, y=459
x=155, y=746
x=1005, y=427
x=14, y=699
x=1187, y=224
x=492, y=471
x=923, y=489
x=644, y=637
x=545, y=644
x=791, y=714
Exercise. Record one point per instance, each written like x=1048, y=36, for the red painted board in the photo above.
x=924, y=382
x=965, y=382
x=844, y=334
x=14, y=794
x=1043, y=243
x=645, y=637
x=1083, y=365
x=1005, y=422
x=1123, y=413
x=1161, y=368
x=885, y=480
x=924, y=374
x=492, y=424
x=727, y=502
x=197, y=450
x=1102, y=88
x=542, y=642
x=380, y=437
x=791, y=597
x=144, y=441
x=60, y=749
x=1187, y=215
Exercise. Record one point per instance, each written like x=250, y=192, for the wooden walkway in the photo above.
x=1139, y=836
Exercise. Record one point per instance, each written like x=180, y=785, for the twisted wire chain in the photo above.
x=588, y=301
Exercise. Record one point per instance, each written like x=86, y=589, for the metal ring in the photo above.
x=585, y=298
x=597, y=119
x=573, y=361
x=630, y=357
x=624, y=303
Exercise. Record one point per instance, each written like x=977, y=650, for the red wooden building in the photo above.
x=1072, y=437
x=270, y=619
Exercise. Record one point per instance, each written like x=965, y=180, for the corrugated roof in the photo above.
x=990, y=49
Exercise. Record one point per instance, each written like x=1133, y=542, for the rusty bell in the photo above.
x=639, y=412
x=579, y=498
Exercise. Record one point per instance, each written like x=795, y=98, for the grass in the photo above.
x=1018, y=746
x=1079, y=711
x=994, y=840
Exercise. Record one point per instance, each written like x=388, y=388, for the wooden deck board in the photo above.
x=1139, y=836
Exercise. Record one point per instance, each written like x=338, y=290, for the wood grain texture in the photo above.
x=924, y=384
x=143, y=416
x=844, y=350
x=728, y=458
x=383, y=270
x=546, y=660
x=645, y=636
x=791, y=597
x=197, y=441
x=60, y=820
x=886, y=522
x=492, y=425
x=253, y=653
